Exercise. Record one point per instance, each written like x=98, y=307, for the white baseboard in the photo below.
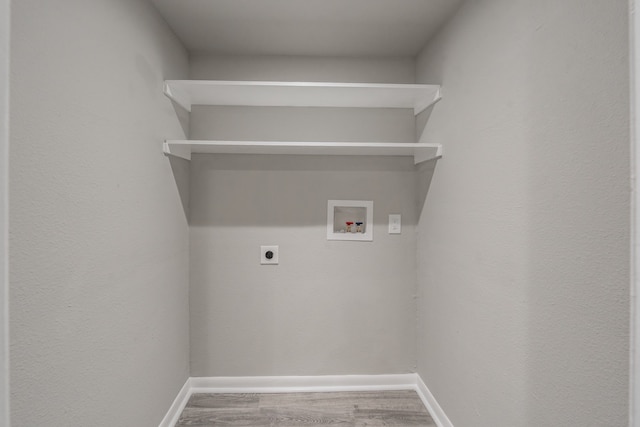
x=177, y=406
x=302, y=384
x=431, y=403
x=326, y=383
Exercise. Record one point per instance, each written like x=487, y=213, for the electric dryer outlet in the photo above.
x=269, y=255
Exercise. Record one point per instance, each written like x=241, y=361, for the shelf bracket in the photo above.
x=427, y=152
x=421, y=106
x=184, y=152
x=179, y=97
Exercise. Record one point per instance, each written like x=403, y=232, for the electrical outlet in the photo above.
x=269, y=255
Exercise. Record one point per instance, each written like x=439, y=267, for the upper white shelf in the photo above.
x=420, y=152
x=301, y=94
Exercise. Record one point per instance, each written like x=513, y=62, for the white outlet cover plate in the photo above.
x=395, y=224
x=263, y=252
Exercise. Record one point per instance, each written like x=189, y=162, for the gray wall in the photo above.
x=301, y=68
x=523, y=247
x=329, y=307
x=99, y=237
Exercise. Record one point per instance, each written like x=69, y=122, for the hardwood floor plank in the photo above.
x=373, y=417
x=200, y=417
x=398, y=400
x=300, y=417
x=344, y=409
x=285, y=417
x=223, y=400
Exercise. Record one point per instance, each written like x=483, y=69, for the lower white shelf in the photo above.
x=420, y=152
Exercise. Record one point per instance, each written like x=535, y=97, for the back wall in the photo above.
x=329, y=307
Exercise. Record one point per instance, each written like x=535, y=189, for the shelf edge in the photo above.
x=178, y=91
x=421, y=152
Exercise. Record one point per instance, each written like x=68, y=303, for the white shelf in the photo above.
x=419, y=151
x=301, y=94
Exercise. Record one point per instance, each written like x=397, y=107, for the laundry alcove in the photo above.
x=135, y=273
x=266, y=157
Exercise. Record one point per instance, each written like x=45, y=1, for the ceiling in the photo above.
x=306, y=27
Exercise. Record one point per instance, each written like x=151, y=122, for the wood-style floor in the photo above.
x=376, y=408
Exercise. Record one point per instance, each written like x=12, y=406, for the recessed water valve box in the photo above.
x=269, y=255
x=350, y=220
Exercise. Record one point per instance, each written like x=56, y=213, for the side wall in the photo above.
x=523, y=247
x=99, y=237
x=329, y=307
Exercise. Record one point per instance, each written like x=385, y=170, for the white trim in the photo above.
x=171, y=418
x=420, y=151
x=303, y=384
x=634, y=353
x=4, y=211
x=301, y=94
x=432, y=405
x=306, y=384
